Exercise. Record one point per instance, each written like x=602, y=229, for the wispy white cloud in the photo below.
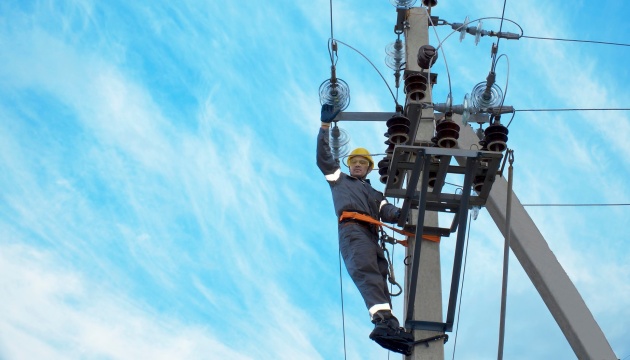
x=53, y=312
x=184, y=198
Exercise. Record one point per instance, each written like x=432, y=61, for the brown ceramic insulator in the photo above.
x=447, y=133
x=496, y=137
x=398, y=129
x=427, y=54
x=416, y=86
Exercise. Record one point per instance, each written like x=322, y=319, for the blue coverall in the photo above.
x=358, y=241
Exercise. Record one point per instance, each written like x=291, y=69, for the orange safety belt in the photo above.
x=370, y=220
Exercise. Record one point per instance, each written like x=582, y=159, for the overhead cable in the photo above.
x=494, y=55
x=374, y=66
x=577, y=205
x=572, y=40
x=461, y=294
x=577, y=109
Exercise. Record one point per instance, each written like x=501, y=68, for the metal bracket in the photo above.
x=425, y=170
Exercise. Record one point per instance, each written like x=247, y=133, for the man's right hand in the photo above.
x=328, y=113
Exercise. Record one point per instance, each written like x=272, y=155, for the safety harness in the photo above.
x=347, y=215
x=384, y=238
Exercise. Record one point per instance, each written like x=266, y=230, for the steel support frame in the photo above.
x=425, y=159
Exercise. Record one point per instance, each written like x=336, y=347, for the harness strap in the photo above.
x=370, y=220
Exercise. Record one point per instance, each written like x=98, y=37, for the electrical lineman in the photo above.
x=359, y=240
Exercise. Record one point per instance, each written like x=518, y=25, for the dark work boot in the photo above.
x=388, y=333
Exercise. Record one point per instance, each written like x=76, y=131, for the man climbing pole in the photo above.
x=359, y=239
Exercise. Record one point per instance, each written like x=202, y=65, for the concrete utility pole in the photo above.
x=428, y=297
x=553, y=284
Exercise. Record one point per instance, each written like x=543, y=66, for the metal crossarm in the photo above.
x=411, y=160
x=426, y=168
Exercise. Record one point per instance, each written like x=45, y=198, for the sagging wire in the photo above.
x=461, y=293
x=391, y=286
x=343, y=314
x=512, y=118
x=507, y=79
x=448, y=73
x=371, y=63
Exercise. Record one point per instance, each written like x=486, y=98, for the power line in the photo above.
x=572, y=40
x=577, y=205
x=577, y=109
x=343, y=314
x=494, y=54
x=461, y=294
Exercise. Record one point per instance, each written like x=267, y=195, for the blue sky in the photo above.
x=160, y=197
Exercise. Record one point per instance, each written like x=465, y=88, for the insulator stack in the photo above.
x=496, y=137
x=416, y=86
x=339, y=140
x=404, y=4
x=447, y=133
x=398, y=129
x=395, y=55
x=429, y=3
x=335, y=92
x=483, y=97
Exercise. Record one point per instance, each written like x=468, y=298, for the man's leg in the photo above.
x=368, y=269
x=360, y=252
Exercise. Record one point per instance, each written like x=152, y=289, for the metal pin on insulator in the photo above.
x=447, y=133
x=339, y=140
x=335, y=92
x=398, y=129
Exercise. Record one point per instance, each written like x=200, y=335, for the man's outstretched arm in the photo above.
x=325, y=160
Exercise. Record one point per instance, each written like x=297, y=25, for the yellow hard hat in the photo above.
x=363, y=153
